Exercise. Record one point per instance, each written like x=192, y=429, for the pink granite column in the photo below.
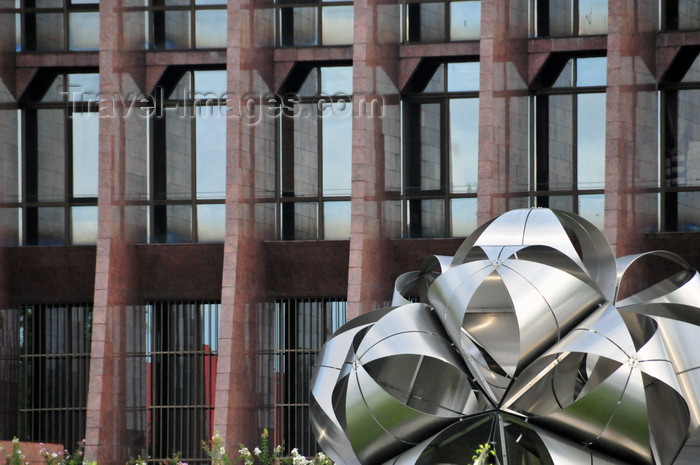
x=632, y=109
x=122, y=168
x=503, y=107
x=375, y=154
x=250, y=218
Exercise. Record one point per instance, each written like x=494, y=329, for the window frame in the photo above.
x=28, y=31
x=408, y=7
x=284, y=26
x=157, y=36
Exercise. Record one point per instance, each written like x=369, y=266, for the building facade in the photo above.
x=195, y=193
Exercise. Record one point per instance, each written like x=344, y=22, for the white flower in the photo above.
x=54, y=455
x=15, y=441
x=248, y=462
x=278, y=449
x=295, y=452
x=222, y=450
x=257, y=451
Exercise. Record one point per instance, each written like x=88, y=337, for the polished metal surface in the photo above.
x=519, y=341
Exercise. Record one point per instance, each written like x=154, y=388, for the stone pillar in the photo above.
x=122, y=167
x=376, y=154
x=503, y=108
x=631, y=122
x=250, y=219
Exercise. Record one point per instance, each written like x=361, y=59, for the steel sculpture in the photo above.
x=519, y=341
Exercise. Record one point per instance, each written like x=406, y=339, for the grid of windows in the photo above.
x=58, y=25
x=54, y=368
x=60, y=134
x=314, y=22
x=302, y=327
x=316, y=155
x=568, y=167
x=680, y=189
x=441, y=130
x=188, y=24
x=189, y=158
x=680, y=15
x=563, y=18
x=181, y=357
x=441, y=21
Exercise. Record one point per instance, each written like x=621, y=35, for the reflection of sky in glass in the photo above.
x=591, y=71
x=336, y=220
x=83, y=87
x=462, y=77
x=84, y=31
x=593, y=16
x=210, y=83
x=591, y=141
x=211, y=221
x=336, y=80
x=84, y=225
x=463, y=217
x=210, y=29
x=211, y=154
x=85, y=154
x=592, y=208
x=337, y=152
x=465, y=20
x=337, y=25
x=464, y=144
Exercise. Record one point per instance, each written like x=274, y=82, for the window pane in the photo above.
x=85, y=154
x=683, y=169
x=210, y=2
x=688, y=211
x=437, y=81
x=465, y=20
x=305, y=167
x=210, y=29
x=84, y=31
x=427, y=170
x=561, y=202
x=210, y=83
x=337, y=151
x=688, y=15
x=178, y=155
x=337, y=25
x=336, y=80
x=211, y=155
x=426, y=22
x=592, y=208
x=462, y=77
x=591, y=141
x=426, y=218
x=560, y=18
x=592, y=17
x=303, y=25
x=560, y=163
x=336, y=220
x=464, y=144
x=49, y=32
x=300, y=220
x=83, y=87
x=84, y=225
x=211, y=223
x=177, y=30
x=591, y=71
x=179, y=223
x=51, y=226
x=51, y=165
x=463, y=217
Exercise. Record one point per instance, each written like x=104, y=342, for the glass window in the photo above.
x=59, y=26
x=316, y=156
x=328, y=22
x=680, y=189
x=189, y=160
x=570, y=139
x=441, y=150
x=441, y=21
x=562, y=18
x=681, y=15
x=54, y=365
x=60, y=163
x=188, y=24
